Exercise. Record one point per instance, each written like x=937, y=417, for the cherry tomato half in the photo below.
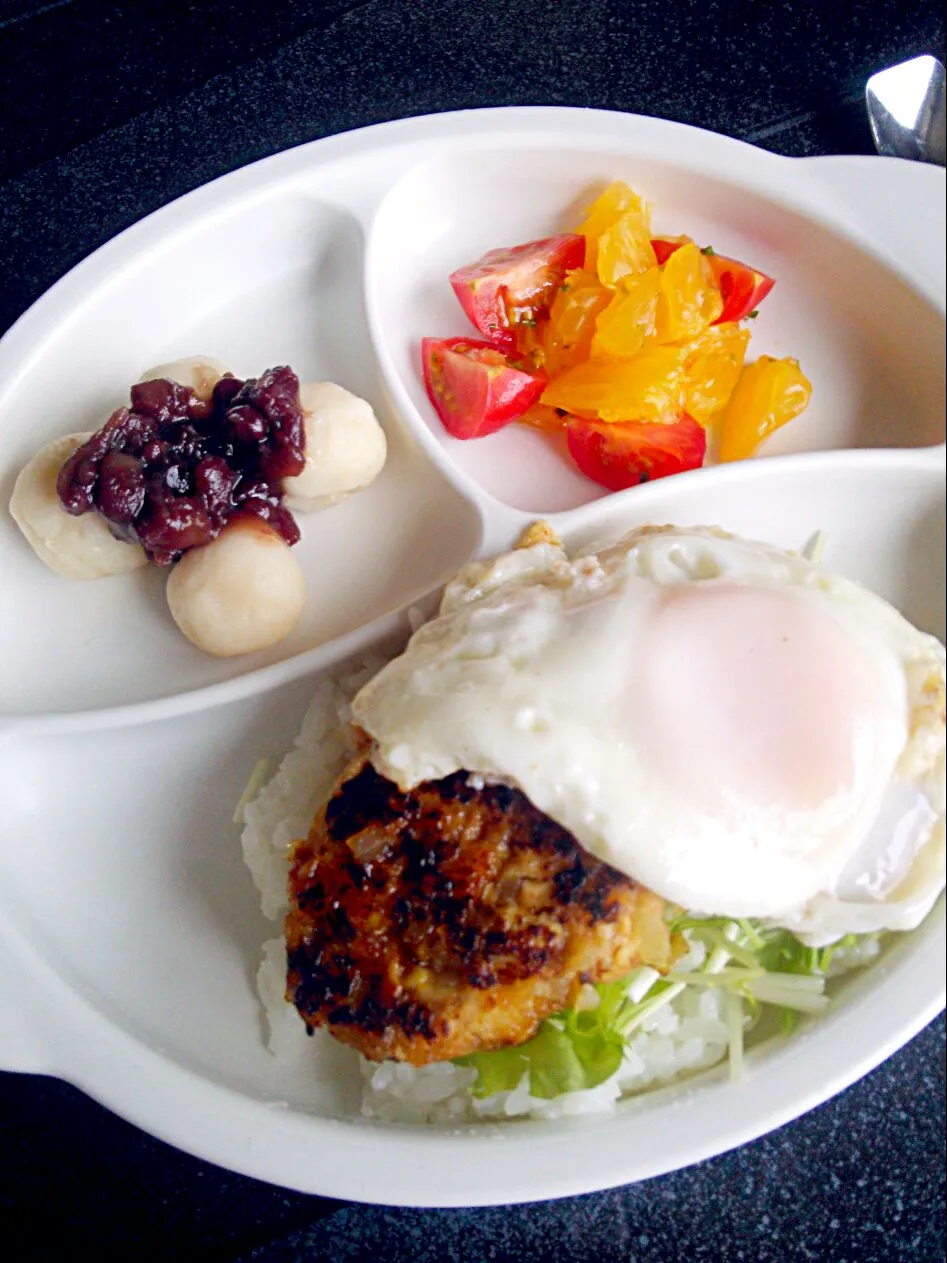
x=741, y=287
x=473, y=386
x=625, y=453
x=512, y=287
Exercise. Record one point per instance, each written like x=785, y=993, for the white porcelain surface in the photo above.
x=129, y=929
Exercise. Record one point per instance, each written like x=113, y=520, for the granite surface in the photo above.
x=111, y=110
x=859, y=1180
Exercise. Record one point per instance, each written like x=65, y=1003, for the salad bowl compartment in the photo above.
x=836, y=307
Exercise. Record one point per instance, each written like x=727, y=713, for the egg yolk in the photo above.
x=758, y=697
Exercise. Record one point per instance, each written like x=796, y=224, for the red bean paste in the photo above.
x=170, y=471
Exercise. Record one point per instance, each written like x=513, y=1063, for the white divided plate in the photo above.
x=129, y=926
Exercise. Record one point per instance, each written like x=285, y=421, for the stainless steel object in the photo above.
x=906, y=110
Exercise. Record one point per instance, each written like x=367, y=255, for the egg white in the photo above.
x=727, y=723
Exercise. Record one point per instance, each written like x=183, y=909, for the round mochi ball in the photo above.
x=75, y=547
x=345, y=447
x=242, y=592
x=200, y=372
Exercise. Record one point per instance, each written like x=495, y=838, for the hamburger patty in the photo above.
x=453, y=917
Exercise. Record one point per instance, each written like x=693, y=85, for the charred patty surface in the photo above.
x=431, y=923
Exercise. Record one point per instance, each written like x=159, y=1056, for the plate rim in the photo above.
x=38, y=324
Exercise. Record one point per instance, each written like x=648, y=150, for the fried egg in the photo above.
x=728, y=723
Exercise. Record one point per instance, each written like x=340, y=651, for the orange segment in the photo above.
x=604, y=211
x=689, y=300
x=629, y=318
x=568, y=335
x=769, y=393
x=647, y=387
x=542, y=417
x=712, y=369
x=630, y=339
x=624, y=249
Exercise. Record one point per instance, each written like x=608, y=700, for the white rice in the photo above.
x=283, y=809
x=688, y=1034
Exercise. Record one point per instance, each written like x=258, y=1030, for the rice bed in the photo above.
x=688, y=1034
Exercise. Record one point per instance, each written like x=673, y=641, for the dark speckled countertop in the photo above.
x=111, y=110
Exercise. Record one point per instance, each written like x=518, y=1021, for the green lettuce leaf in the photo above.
x=568, y=1053
x=573, y=1050
x=580, y=1048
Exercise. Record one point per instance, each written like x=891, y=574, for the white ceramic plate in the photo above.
x=129, y=926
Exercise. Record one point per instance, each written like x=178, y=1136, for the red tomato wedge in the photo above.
x=627, y=453
x=741, y=287
x=473, y=386
x=514, y=286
